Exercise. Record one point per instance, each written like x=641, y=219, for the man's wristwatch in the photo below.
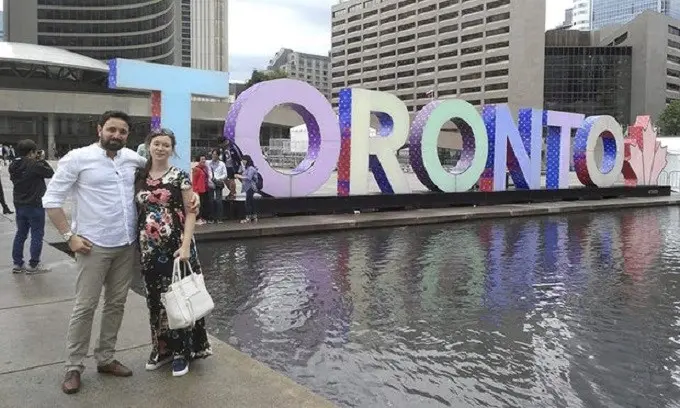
x=67, y=236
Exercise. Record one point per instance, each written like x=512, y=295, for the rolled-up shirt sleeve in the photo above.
x=63, y=180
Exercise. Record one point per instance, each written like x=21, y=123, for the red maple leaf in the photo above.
x=644, y=157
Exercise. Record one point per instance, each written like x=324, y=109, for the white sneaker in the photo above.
x=155, y=361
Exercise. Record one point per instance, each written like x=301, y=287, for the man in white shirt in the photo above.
x=101, y=178
x=219, y=177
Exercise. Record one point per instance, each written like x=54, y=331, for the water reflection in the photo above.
x=577, y=311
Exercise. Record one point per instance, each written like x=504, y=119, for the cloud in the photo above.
x=555, y=12
x=259, y=28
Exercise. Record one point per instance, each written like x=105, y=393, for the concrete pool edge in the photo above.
x=298, y=225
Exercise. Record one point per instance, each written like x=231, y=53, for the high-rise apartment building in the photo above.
x=483, y=51
x=160, y=31
x=313, y=69
x=611, y=12
x=581, y=14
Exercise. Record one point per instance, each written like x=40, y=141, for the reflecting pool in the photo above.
x=569, y=311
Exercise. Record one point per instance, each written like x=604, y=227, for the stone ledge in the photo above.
x=270, y=227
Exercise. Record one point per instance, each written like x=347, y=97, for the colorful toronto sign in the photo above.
x=494, y=144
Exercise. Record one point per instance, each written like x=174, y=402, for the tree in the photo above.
x=261, y=76
x=669, y=121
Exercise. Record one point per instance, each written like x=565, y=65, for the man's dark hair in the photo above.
x=26, y=147
x=117, y=115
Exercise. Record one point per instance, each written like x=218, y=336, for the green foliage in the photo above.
x=669, y=121
x=261, y=76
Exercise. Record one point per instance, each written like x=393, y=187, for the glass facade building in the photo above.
x=104, y=29
x=589, y=80
x=608, y=12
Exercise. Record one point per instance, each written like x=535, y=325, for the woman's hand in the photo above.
x=182, y=253
x=195, y=203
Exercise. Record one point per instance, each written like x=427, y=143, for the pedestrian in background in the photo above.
x=249, y=186
x=28, y=173
x=219, y=177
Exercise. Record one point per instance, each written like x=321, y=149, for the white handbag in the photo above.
x=187, y=299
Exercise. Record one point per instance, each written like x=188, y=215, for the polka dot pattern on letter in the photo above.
x=587, y=169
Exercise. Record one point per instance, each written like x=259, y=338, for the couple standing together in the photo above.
x=121, y=198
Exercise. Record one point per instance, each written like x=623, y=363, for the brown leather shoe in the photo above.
x=115, y=368
x=71, y=383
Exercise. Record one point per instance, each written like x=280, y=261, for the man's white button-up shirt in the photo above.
x=103, y=193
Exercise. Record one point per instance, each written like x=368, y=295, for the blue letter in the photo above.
x=176, y=85
x=523, y=160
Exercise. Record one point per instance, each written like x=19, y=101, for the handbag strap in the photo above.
x=177, y=276
x=177, y=269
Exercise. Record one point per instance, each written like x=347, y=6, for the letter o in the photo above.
x=247, y=115
x=585, y=164
x=423, y=145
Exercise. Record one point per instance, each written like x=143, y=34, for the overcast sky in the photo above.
x=259, y=28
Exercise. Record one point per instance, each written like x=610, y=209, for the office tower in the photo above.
x=154, y=31
x=207, y=33
x=612, y=12
x=655, y=42
x=584, y=76
x=483, y=51
x=310, y=68
x=581, y=14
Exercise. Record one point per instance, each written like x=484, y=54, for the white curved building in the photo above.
x=161, y=31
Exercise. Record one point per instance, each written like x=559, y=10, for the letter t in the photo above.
x=176, y=86
x=558, y=146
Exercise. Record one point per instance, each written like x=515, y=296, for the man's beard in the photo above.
x=112, y=145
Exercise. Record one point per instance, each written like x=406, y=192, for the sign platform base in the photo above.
x=323, y=205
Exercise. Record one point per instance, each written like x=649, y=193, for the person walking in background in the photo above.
x=28, y=173
x=11, y=154
x=249, y=186
x=199, y=179
x=219, y=176
x=166, y=231
x=3, y=203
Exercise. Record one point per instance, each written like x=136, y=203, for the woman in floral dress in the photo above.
x=166, y=230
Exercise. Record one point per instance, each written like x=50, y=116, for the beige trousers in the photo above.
x=111, y=269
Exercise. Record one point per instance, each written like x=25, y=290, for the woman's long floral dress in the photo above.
x=161, y=228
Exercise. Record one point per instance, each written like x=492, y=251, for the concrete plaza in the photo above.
x=34, y=313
